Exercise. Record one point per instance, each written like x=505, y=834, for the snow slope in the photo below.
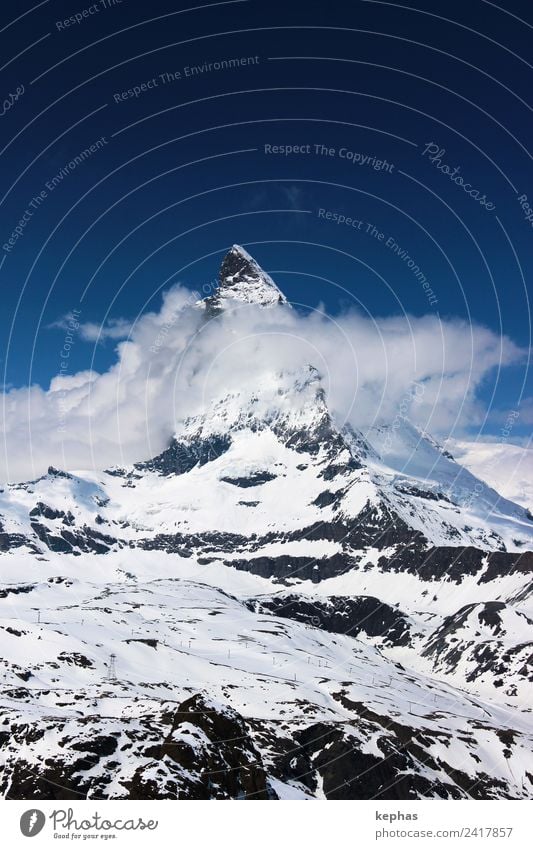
x=502, y=465
x=283, y=681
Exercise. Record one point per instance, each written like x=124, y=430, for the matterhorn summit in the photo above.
x=242, y=279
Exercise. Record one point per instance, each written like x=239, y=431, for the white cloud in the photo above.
x=524, y=417
x=173, y=362
x=90, y=331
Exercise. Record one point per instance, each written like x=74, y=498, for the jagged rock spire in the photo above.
x=241, y=278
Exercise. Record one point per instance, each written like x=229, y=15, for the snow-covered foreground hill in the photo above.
x=214, y=697
x=276, y=606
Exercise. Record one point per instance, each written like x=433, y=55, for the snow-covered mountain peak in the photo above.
x=295, y=398
x=274, y=589
x=242, y=279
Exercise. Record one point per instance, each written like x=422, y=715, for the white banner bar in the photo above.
x=254, y=825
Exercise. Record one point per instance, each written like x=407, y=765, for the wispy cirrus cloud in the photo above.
x=90, y=331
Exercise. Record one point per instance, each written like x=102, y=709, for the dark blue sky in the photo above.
x=181, y=171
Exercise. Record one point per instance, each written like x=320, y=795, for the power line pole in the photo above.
x=111, y=669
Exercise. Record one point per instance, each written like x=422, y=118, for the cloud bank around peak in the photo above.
x=171, y=363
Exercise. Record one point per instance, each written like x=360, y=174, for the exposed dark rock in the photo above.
x=221, y=760
x=9, y=541
x=428, y=494
x=342, y=615
x=67, y=541
x=181, y=457
x=433, y=564
x=14, y=631
x=100, y=746
x=24, y=588
x=51, y=540
x=58, y=473
x=326, y=498
x=500, y=564
x=46, y=512
x=76, y=659
x=255, y=479
x=304, y=568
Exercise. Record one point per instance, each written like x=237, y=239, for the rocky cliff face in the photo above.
x=242, y=280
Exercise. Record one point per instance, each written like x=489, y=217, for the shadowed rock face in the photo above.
x=343, y=615
x=180, y=457
x=214, y=745
x=242, y=279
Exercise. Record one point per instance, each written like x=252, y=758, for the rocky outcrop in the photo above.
x=342, y=615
